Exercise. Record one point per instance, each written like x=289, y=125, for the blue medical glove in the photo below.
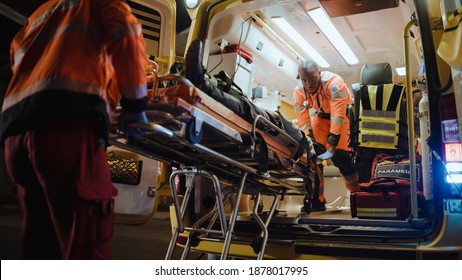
x=126, y=119
x=327, y=155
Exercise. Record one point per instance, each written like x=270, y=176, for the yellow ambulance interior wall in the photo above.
x=287, y=110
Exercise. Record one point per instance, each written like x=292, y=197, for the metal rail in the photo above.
x=410, y=122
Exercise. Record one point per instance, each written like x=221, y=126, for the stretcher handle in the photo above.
x=176, y=78
x=165, y=78
x=152, y=76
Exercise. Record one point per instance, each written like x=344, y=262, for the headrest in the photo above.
x=376, y=74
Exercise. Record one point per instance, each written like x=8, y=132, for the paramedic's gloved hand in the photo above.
x=331, y=147
x=327, y=155
x=126, y=119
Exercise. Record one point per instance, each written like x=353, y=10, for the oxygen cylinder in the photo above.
x=424, y=133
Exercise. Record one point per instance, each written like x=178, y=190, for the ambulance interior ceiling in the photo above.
x=374, y=37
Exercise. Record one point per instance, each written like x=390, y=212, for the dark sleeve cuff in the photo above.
x=333, y=139
x=134, y=105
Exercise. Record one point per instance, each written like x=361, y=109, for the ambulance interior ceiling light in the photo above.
x=401, y=71
x=191, y=4
x=290, y=31
x=327, y=27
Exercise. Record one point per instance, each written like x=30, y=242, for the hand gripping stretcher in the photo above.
x=201, y=137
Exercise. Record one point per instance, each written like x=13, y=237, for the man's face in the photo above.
x=310, y=78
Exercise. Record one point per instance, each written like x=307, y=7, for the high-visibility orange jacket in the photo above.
x=333, y=97
x=59, y=61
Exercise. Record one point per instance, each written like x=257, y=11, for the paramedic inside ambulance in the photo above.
x=328, y=94
x=55, y=122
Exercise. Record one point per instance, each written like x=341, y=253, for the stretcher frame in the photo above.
x=200, y=160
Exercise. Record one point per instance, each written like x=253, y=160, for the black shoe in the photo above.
x=193, y=69
x=318, y=206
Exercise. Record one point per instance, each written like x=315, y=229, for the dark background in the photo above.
x=9, y=27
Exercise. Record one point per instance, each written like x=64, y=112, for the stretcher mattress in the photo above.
x=286, y=141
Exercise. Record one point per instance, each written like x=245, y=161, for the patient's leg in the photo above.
x=194, y=71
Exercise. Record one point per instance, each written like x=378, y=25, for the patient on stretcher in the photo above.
x=238, y=135
x=240, y=105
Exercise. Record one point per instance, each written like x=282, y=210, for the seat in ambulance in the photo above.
x=379, y=120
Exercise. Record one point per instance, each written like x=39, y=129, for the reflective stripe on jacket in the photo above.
x=65, y=46
x=333, y=98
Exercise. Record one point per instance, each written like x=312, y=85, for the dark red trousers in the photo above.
x=65, y=191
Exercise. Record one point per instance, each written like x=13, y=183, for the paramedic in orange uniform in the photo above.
x=54, y=122
x=328, y=94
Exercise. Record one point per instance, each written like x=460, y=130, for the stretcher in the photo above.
x=201, y=137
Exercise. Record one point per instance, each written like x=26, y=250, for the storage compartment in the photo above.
x=239, y=69
x=352, y=7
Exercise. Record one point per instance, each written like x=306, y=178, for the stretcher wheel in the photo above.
x=191, y=134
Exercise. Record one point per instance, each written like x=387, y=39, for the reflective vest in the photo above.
x=379, y=115
x=65, y=46
x=333, y=98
